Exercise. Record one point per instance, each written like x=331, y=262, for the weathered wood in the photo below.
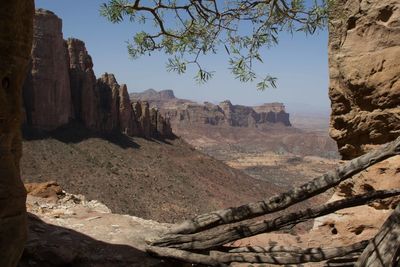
x=272, y=255
x=184, y=256
x=224, y=234
x=293, y=196
x=287, y=255
x=345, y=261
x=384, y=249
x=298, y=250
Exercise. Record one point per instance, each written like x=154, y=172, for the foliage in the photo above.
x=189, y=29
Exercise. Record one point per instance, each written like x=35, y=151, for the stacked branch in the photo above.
x=213, y=230
x=271, y=255
x=222, y=235
x=291, y=197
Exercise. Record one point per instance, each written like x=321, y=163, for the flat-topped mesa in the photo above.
x=61, y=87
x=185, y=112
x=46, y=92
x=268, y=107
x=167, y=94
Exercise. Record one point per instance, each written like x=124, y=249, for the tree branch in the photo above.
x=291, y=197
x=287, y=255
x=384, y=249
x=219, y=236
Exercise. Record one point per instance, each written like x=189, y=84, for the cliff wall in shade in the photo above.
x=16, y=19
x=84, y=93
x=61, y=87
x=364, y=65
x=186, y=112
x=47, y=94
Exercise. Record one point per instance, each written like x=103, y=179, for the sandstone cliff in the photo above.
x=61, y=87
x=16, y=20
x=186, y=112
x=84, y=92
x=47, y=94
x=364, y=51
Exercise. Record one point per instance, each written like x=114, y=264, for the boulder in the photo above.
x=364, y=51
x=16, y=31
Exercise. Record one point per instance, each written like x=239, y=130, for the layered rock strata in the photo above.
x=181, y=111
x=16, y=31
x=61, y=87
x=364, y=52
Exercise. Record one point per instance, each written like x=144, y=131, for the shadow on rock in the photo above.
x=75, y=133
x=54, y=246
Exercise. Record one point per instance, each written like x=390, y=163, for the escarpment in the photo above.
x=186, y=112
x=364, y=66
x=61, y=87
x=47, y=94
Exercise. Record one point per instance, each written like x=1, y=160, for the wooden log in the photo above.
x=348, y=260
x=224, y=234
x=384, y=249
x=298, y=250
x=287, y=255
x=184, y=256
x=293, y=196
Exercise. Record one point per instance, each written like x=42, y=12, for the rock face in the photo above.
x=47, y=94
x=108, y=90
x=359, y=223
x=72, y=230
x=364, y=51
x=84, y=93
x=184, y=112
x=16, y=31
x=61, y=87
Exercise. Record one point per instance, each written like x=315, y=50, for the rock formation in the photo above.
x=364, y=51
x=127, y=120
x=108, y=90
x=61, y=87
x=16, y=31
x=47, y=93
x=84, y=93
x=181, y=111
x=68, y=230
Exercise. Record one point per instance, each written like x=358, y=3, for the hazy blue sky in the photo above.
x=299, y=62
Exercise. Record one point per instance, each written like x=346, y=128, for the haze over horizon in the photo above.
x=299, y=62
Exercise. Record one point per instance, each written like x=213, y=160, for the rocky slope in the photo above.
x=68, y=230
x=61, y=87
x=186, y=112
x=150, y=179
x=364, y=48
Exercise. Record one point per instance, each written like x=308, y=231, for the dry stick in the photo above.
x=184, y=256
x=384, y=249
x=288, y=255
x=293, y=196
x=222, y=235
